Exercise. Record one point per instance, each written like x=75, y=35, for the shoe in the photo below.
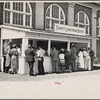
x=34, y=75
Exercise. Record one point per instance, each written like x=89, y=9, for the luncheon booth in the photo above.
x=61, y=36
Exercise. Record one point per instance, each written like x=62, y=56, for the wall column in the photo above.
x=71, y=14
x=68, y=46
x=1, y=50
x=49, y=47
x=22, y=63
x=94, y=15
x=39, y=15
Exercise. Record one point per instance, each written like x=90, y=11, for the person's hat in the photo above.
x=14, y=45
x=29, y=45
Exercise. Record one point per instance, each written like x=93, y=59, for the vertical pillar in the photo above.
x=24, y=45
x=94, y=15
x=22, y=63
x=68, y=46
x=2, y=59
x=49, y=47
x=88, y=44
x=71, y=14
x=1, y=55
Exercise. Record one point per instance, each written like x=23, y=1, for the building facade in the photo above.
x=49, y=24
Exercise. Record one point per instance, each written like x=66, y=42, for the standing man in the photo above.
x=73, y=55
x=30, y=59
x=91, y=54
x=54, y=55
x=40, y=54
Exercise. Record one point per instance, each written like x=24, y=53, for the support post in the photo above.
x=49, y=47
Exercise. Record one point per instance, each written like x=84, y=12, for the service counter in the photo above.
x=24, y=67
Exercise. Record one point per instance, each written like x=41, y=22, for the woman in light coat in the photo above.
x=81, y=59
x=87, y=60
x=14, y=59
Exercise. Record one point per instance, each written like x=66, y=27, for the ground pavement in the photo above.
x=76, y=85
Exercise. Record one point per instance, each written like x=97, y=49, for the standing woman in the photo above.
x=91, y=54
x=14, y=60
x=8, y=58
x=81, y=59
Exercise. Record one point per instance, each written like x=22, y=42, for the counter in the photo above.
x=24, y=67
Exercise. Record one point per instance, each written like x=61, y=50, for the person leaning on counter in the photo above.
x=40, y=55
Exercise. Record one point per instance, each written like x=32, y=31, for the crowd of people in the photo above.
x=11, y=58
x=81, y=59
x=62, y=60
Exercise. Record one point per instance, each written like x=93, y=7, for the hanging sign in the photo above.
x=60, y=28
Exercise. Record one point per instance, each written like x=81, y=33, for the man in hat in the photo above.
x=73, y=54
x=91, y=54
x=30, y=59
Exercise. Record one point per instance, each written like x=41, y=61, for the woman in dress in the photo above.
x=81, y=59
x=8, y=58
x=14, y=60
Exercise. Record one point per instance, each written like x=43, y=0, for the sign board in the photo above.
x=60, y=28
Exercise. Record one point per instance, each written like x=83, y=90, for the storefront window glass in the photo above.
x=19, y=13
x=54, y=14
x=82, y=20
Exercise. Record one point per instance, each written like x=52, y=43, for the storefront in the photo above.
x=60, y=37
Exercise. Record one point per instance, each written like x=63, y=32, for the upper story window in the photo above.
x=54, y=14
x=82, y=20
x=98, y=26
x=18, y=13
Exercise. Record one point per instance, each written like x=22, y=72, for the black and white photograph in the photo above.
x=49, y=49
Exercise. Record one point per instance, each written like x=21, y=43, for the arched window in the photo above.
x=54, y=14
x=18, y=13
x=82, y=20
x=98, y=26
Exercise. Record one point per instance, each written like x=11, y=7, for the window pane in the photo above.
x=27, y=20
x=87, y=29
x=27, y=8
x=55, y=11
x=98, y=30
x=76, y=18
x=17, y=19
x=7, y=17
x=82, y=26
x=48, y=13
x=61, y=15
x=17, y=6
x=47, y=23
x=76, y=25
x=54, y=14
x=87, y=20
x=7, y=5
x=61, y=22
x=81, y=20
x=17, y=13
x=81, y=17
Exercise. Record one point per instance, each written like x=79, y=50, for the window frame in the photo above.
x=50, y=18
x=84, y=24
x=24, y=13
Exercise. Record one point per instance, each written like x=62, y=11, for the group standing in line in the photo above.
x=11, y=62
x=82, y=58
